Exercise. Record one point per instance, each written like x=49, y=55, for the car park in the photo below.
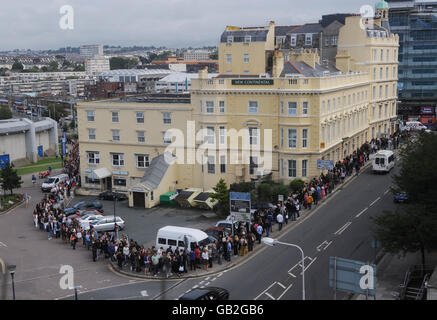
x=94, y=204
x=106, y=223
x=110, y=195
x=208, y=293
x=52, y=182
x=89, y=219
x=82, y=213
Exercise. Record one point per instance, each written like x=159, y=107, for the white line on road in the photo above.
x=265, y=291
x=2, y=244
x=269, y=295
x=280, y=284
x=379, y=198
x=329, y=243
x=285, y=291
x=144, y=293
x=195, y=286
x=207, y=284
x=307, y=266
x=340, y=231
x=207, y=278
x=213, y=279
x=386, y=191
x=361, y=213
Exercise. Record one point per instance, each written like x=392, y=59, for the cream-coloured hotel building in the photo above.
x=313, y=109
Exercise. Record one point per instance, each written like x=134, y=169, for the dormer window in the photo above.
x=308, y=39
x=247, y=39
x=230, y=39
x=293, y=40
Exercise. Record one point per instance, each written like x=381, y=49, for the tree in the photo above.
x=5, y=113
x=53, y=66
x=296, y=185
x=72, y=125
x=221, y=194
x=214, y=55
x=413, y=227
x=17, y=66
x=265, y=192
x=9, y=179
x=122, y=63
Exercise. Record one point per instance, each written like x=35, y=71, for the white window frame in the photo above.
x=282, y=137
x=305, y=108
x=251, y=107
x=228, y=58
x=116, y=117
x=247, y=38
x=165, y=135
x=143, y=136
x=166, y=117
x=305, y=138
x=209, y=105
x=91, y=134
x=304, y=168
x=120, y=159
x=293, y=40
x=140, y=119
x=292, y=141
x=210, y=135
x=289, y=107
x=246, y=58
x=210, y=162
x=114, y=136
x=222, y=163
x=230, y=39
x=90, y=114
x=292, y=167
x=222, y=106
x=308, y=39
x=145, y=161
x=95, y=159
x=253, y=136
x=222, y=135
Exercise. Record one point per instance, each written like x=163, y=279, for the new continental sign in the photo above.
x=252, y=82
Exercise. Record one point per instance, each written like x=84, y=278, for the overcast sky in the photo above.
x=30, y=24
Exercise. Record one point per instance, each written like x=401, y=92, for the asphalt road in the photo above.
x=340, y=227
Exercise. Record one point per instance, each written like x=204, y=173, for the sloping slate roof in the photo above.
x=299, y=67
x=156, y=171
x=203, y=196
x=327, y=19
x=256, y=35
x=184, y=195
x=308, y=28
x=283, y=30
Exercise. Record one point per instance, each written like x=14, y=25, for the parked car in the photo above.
x=52, y=182
x=109, y=195
x=89, y=219
x=82, y=213
x=208, y=293
x=227, y=225
x=107, y=224
x=400, y=197
x=94, y=204
x=217, y=232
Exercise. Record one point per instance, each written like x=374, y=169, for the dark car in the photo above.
x=400, y=197
x=83, y=205
x=209, y=293
x=109, y=195
x=217, y=233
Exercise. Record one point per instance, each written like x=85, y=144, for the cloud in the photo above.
x=173, y=23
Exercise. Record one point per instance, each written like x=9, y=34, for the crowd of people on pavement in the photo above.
x=129, y=255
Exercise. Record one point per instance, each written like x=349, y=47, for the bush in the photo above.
x=242, y=187
x=265, y=192
x=296, y=185
x=279, y=189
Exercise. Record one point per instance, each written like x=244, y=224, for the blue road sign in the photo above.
x=352, y=276
x=325, y=164
x=4, y=160
x=40, y=151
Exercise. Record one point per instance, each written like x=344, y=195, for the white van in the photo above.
x=174, y=237
x=52, y=182
x=384, y=161
x=414, y=125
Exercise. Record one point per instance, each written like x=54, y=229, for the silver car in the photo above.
x=106, y=223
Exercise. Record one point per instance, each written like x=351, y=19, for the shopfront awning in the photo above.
x=100, y=173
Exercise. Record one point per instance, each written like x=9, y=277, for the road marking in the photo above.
x=206, y=284
x=340, y=231
x=144, y=293
x=265, y=291
x=195, y=286
x=201, y=282
x=361, y=213
x=269, y=295
x=299, y=264
x=386, y=191
x=379, y=198
x=2, y=244
x=285, y=291
x=280, y=284
x=207, y=278
x=213, y=279
x=308, y=265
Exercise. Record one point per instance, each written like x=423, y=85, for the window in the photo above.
x=374, y=93
x=304, y=168
x=162, y=241
x=292, y=108
x=253, y=164
x=140, y=117
x=374, y=55
x=386, y=110
x=253, y=106
x=142, y=160
x=119, y=182
x=141, y=136
x=166, y=117
x=253, y=135
x=246, y=58
x=211, y=164
x=386, y=73
x=167, y=137
x=305, y=108
x=292, y=138
x=210, y=135
x=209, y=106
x=90, y=115
x=282, y=137
x=373, y=113
x=326, y=41
x=329, y=105
x=282, y=107
x=91, y=134
x=388, y=55
x=334, y=40
x=229, y=58
x=245, y=72
x=374, y=73
x=230, y=39
x=293, y=40
x=380, y=112
x=386, y=90
x=380, y=91
x=382, y=55
x=201, y=108
x=323, y=107
x=222, y=107
x=281, y=166
x=304, y=138
x=222, y=164
x=380, y=73
x=115, y=135
x=93, y=157
x=172, y=242
x=114, y=116
x=222, y=135
x=247, y=39
x=117, y=159
x=292, y=168
x=308, y=39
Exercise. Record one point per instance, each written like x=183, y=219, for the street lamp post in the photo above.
x=271, y=242
x=11, y=269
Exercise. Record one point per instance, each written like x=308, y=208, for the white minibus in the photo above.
x=384, y=161
x=175, y=237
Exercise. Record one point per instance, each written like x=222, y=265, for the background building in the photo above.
x=91, y=51
x=22, y=140
x=177, y=82
x=196, y=55
x=96, y=65
x=416, y=24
